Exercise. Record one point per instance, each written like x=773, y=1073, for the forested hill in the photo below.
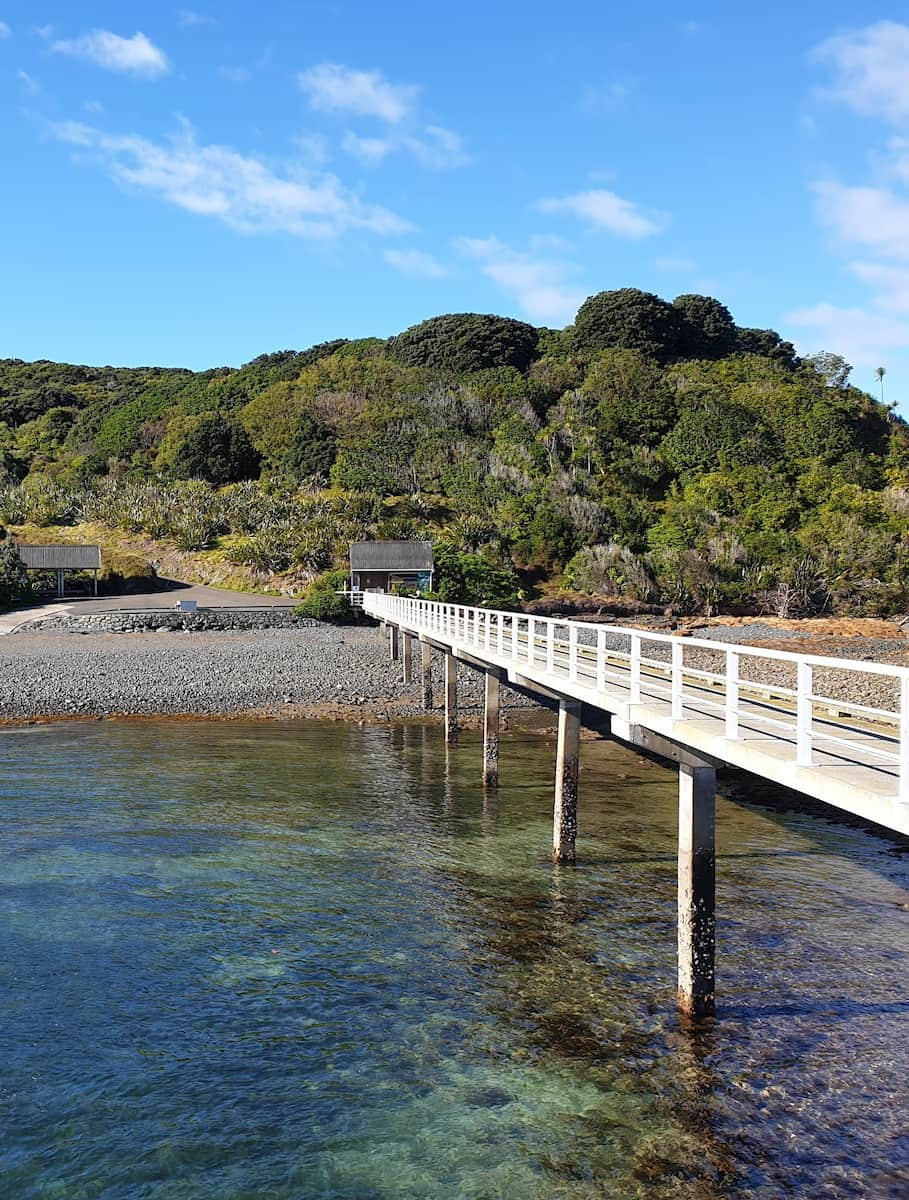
x=651, y=450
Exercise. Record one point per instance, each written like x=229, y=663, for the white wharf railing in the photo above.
x=815, y=731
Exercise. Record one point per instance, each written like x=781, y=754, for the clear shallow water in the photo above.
x=280, y=961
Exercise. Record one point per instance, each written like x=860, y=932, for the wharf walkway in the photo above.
x=701, y=704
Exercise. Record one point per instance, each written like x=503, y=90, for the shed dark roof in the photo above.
x=51, y=558
x=391, y=556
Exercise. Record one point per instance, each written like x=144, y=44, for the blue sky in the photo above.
x=197, y=185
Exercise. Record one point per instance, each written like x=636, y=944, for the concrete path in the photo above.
x=205, y=597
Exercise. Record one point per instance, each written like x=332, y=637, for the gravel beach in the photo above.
x=316, y=671
x=329, y=671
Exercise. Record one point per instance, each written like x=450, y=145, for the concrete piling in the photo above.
x=697, y=896
x=565, y=811
x=406, y=655
x=426, y=675
x=491, y=731
x=451, y=699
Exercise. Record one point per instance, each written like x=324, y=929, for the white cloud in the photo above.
x=332, y=87
x=542, y=287
x=132, y=56
x=43, y=31
x=870, y=69
x=869, y=216
x=860, y=336
x=369, y=150
x=240, y=191
x=30, y=85
x=891, y=284
x=416, y=263
x=669, y=262
x=5, y=30
x=606, y=210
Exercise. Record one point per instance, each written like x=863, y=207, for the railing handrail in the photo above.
x=817, y=660
x=550, y=646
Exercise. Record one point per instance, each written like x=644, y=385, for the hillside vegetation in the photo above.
x=653, y=451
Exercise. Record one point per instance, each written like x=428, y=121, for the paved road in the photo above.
x=205, y=597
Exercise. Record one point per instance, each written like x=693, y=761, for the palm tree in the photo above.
x=880, y=372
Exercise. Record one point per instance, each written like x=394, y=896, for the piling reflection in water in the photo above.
x=322, y=960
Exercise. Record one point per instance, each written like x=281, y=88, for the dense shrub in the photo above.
x=321, y=601
x=13, y=576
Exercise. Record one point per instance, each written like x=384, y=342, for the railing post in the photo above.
x=678, y=707
x=500, y=622
x=572, y=652
x=514, y=636
x=601, y=660
x=904, y=739
x=635, y=697
x=803, y=716
x=550, y=645
x=732, y=694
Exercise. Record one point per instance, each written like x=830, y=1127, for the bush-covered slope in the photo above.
x=653, y=450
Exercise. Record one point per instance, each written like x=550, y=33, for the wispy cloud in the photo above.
x=869, y=68
x=131, y=56
x=416, y=263
x=861, y=336
x=599, y=99
x=606, y=210
x=5, y=30
x=238, y=190
x=676, y=263
x=188, y=18
x=542, y=287
x=29, y=84
x=235, y=74
x=874, y=217
x=434, y=147
x=332, y=87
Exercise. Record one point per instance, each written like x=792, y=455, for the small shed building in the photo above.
x=60, y=559
x=378, y=566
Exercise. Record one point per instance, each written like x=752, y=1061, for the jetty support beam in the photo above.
x=451, y=698
x=407, y=654
x=697, y=895
x=491, y=730
x=426, y=675
x=393, y=642
x=565, y=810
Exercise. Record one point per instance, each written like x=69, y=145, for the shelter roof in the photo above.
x=53, y=558
x=391, y=556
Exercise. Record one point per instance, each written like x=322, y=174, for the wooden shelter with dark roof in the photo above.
x=379, y=566
x=60, y=559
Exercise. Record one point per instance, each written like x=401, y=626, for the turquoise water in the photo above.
x=286, y=961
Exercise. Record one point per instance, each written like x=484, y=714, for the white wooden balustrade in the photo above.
x=707, y=696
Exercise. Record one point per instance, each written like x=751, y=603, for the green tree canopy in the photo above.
x=630, y=320
x=707, y=330
x=466, y=342
x=216, y=449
